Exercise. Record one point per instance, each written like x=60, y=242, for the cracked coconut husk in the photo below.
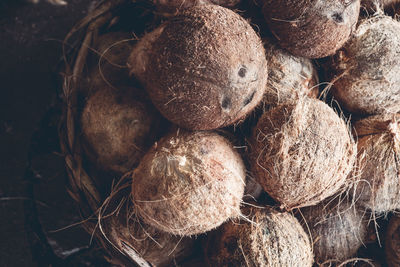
x=189, y=183
x=311, y=28
x=266, y=238
x=378, y=172
x=302, y=153
x=289, y=76
x=367, y=68
x=203, y=69
x=337, y=227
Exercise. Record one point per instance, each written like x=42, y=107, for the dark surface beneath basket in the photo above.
x=30, y=48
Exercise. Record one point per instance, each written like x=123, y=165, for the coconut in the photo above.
x=338, y=229
x=312, y=29
x=378, y=188
x=117, y=129
x=367, y=69
x=289, y=76
x=373, y=4
x=272, y=239
x=203, y=69
x=301, y=152
x=189, y=183
x=108, y=63
x=138, y=241
x=172, y=7
x=392, y=243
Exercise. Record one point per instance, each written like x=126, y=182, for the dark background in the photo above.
x=30, y=47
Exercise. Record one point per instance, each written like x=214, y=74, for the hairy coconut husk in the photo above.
x=368, y=67
x=375, y=4
x=172, y=7
x=392, y=244
x=118, y=129
x=189, y=183
x=128, y=234
x=289, y=76
x=272, y=238
x=203, y=69
x=378, y=169
x=301, y=153
x=311, y=28
x=338, y=229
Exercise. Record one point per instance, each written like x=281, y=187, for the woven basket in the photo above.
x=83, y=188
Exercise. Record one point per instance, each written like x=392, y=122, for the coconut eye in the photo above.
x=338, y=18
x=242, y=72
x=249, y=99
x=226, y=103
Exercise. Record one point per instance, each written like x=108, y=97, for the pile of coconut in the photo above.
x=243, y=133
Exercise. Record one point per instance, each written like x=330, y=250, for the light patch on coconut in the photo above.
x=189, y=183
x=203, y=69
x=368, y=67
x=301, y=153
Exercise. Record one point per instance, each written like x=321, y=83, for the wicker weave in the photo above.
x=82, y=187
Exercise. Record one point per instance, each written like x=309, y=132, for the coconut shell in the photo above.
x=289, y=76
x=378, y=169
x=311, y=28
x=338, y=230
x=272, y=239
x=203, y=69
x=126, y=232
x=301, y=153
x=172, y=7
x=392, y=243
x=189, y=183
x=117, y=129
x=368, y=67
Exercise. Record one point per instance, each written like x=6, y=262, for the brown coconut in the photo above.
x=311, y=28
x=172, y=7
x=381, y=4
x=368, y=67
x=392, y=243
x=189, y=183
x=138, y=241
x=289, y=76
x=272, y=239
x=117, y=129
x=108, y=63
x=301, y=153
x=378, y=171
x=338, y=230
x=203, y=69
